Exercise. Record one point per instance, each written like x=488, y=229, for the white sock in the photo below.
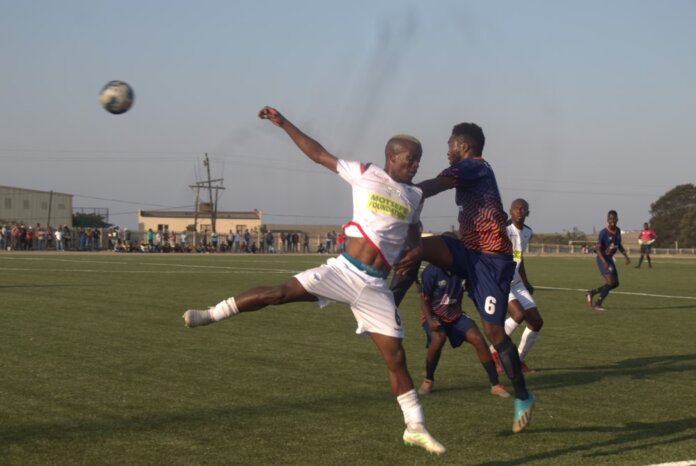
x=413, y=411
x=224, y=310
x=526, y=342
x=510, y=325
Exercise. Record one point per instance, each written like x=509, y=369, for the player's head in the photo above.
x=612, y=218
x=467, y=140
x=519, y=210
x=646, y=226
x=402, y=153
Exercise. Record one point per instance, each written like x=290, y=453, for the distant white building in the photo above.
x=171, y=220
x=30, y=206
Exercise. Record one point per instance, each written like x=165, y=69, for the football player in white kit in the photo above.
x=386, y=220
x=521, y=305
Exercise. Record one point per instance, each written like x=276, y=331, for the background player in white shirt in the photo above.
x=521, y=305
x=386, y=217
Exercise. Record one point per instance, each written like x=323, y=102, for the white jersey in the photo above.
x=383, y=209
x=519, y=239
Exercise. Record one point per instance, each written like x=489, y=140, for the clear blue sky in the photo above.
x=587, y=105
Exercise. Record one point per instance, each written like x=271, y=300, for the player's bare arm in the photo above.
x=413, y=250
x=623, y=251
x=306, y=144
x=433, y=321
x=600, y=254
x=413, y=239
x=436, y=185
x=523, y=275
x=410, y=257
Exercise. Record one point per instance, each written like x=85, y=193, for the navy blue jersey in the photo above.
x=444, y=293
x=609, y=242
x=482, y=218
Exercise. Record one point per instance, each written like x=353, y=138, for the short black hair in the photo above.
x=398, y=143
x=473, y=134
x=519, y=200
x=612, y=212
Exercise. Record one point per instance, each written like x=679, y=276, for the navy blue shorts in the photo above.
x=612, y=266
x=455, y=331
x=488, y=278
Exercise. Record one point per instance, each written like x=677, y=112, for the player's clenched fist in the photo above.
x=270, y=113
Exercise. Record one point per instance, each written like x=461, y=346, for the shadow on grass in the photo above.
x=631, y=436
x=637, y=368
x=657, y=308
x=231, y=419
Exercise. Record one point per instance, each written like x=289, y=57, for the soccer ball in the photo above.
x=116, y=97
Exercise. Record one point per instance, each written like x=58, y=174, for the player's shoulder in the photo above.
x=356, y=165
x=512, y=228
x=355, y=170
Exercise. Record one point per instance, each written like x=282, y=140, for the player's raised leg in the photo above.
x=250, y=300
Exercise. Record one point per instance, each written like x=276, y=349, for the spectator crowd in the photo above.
x=20, y=237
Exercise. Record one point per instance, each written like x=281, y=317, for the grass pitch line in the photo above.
x=677, y=463
x=52, y=259
x=148, y=272
x=163, y=264
x=618, y=292
x=222, y=267
x=158, y=264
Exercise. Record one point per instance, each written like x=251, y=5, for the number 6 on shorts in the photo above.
x=489, y=305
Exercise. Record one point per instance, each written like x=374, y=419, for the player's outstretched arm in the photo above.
x=309, y=146
x=436, y=185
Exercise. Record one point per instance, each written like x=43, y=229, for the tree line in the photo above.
x=673, y=217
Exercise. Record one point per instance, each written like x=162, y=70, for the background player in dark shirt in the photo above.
x=442, y=319
x=608, y=242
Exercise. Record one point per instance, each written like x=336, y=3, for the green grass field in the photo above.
x=98, y=368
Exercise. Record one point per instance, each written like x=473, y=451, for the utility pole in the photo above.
x=213, y=201
x=50, y=204
x=195, y=215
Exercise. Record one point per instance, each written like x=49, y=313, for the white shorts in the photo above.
x=519, y=292
x=370, y=298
